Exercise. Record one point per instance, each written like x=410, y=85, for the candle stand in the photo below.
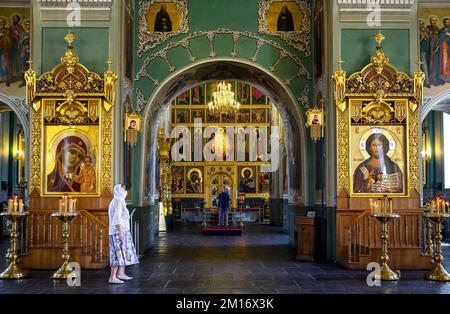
x=14, y=271
x=65, y=270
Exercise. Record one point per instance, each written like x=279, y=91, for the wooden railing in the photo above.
x=363, y=234
x=87, y=233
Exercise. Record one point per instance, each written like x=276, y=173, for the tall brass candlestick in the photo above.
x=65, y=270
x=385, y=272
x=439, y=273
x=13, y=271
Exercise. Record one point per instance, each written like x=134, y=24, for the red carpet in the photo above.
x=221, y=231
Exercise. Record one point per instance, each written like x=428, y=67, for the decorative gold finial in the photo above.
x=379, y=39
x=70, y=38
x=30, y=63
x=339, y=62
x=419, y=64
x=109, y=63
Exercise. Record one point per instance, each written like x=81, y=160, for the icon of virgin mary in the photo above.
x=69, y=156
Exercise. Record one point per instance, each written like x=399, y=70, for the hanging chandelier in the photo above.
x=223, y=100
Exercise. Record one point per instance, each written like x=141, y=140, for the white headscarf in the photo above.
x=118, y=206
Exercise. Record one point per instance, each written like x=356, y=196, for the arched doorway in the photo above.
x=435, y=119
x=14, y=143
x=228, y=69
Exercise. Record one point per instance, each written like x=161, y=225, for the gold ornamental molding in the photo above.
x=71, y=115
x=378, y=128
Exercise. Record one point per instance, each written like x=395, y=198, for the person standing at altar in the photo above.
x=122, y=252
x=223, y=204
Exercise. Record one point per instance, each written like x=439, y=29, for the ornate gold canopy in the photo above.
x=70, y=79
x=379, y=78
x=377, y=99
x=71, y=103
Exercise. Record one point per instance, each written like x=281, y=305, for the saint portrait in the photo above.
x=282, y=16
x=15, y=44
x=73, y=171
x=163, y=17
x=177, y=180
x=194, y=184
x=378, y=173
x=247, y=182
x=434, y=46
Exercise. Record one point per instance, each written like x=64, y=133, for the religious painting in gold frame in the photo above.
x=71, y=159
x=378, y=100
x=290, y=20
x=373, y=148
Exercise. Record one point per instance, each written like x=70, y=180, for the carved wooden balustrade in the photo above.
x=410, y=231
x=88, y=241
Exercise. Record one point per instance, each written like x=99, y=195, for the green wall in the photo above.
x=91, y=46
x=358, y=46
x=211, y=15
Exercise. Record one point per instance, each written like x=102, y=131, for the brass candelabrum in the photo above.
x=438, y=273
x=65, y=270
x=14, y=271
x=386, y=273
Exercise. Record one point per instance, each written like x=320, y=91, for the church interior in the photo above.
x=264, y=146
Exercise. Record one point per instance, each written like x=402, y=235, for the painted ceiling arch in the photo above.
x=209, y=39
x=223, y=69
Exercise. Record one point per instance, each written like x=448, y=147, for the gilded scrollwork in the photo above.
x=35, y=145
x=301, y=39
x=107, y=160
x=71, y=95
x=149, y=40
x=378, y=95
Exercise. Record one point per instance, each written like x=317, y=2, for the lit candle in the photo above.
x=10, y=205
x=16, y=206
x=61, y=205
x=390, y=205
x=21, y=205
x=432, y=207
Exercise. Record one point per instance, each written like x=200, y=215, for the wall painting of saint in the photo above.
x=434, y=39
x=15, y=44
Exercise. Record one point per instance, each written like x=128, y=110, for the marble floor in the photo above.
x=259, y=261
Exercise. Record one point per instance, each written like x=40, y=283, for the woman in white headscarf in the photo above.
x=121, y=249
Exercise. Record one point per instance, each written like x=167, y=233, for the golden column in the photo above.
x=165, y=176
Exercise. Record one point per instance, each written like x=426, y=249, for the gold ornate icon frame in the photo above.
x=381, y=96
x=71, y=97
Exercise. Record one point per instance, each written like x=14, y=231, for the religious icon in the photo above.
x=278, y=16
x=72, y=170
x=259, y=115
x=198, y=114
x=378, y=173
x=15, y=43
x=194, y=184
x=243, y=116
x=177, y=180
x=258, y=97
x=182, y=116
x=163, y=23
x=163, y=17
x=132, y=127
x=434, y=40
x=198, y=95
x=264, y=182
x=246, y=182
x=285, y=22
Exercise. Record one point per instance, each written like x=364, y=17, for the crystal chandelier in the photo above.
x=223, y=100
